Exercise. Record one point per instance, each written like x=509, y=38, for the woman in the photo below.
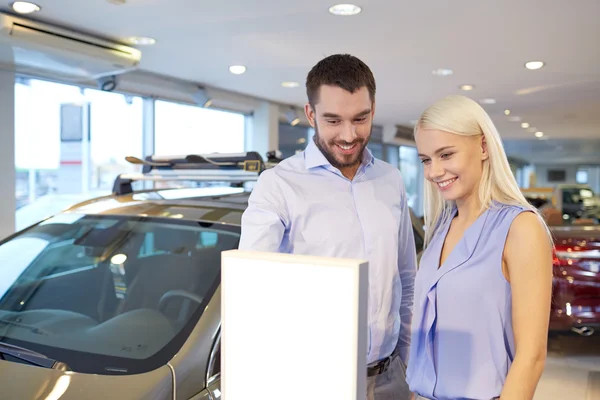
x=483, y=290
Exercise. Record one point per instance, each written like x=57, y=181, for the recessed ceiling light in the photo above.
x=525, y=125
x=532, y=129
x=25, y=7
x=141, y=40
x=488, y=101
x=237, y=69
x=506, y=112
x=290, y=84
x=514, y=119
x=534, y=64
x=466, y=87
x=539, y=134
x=442, y=72
x=345, y=10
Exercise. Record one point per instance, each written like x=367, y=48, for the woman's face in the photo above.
x=454, y=163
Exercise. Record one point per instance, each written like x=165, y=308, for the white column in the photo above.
x=7, y=146
x=262, y=129
x=149, y=131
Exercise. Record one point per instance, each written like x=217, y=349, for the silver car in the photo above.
x=119, y=296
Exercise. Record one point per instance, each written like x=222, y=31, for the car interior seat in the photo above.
x=178, y=267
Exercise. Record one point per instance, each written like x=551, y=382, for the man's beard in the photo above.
x=329, y=155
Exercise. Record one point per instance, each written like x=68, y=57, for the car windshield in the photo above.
x=576, y=195
x=107, y=294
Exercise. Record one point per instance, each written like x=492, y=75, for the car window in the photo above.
x=571, y=196
x=109, y=295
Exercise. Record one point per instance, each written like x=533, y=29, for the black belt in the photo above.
x=380, y=366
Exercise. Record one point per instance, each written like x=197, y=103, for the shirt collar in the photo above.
x=314, y=158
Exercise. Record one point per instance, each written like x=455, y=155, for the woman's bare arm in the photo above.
x=528, y=264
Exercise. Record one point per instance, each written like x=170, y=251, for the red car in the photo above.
x=576, y=283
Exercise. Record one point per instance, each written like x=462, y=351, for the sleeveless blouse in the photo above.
x=462, y=342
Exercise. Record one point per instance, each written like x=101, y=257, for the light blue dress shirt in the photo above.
x=462, y=337
x=306, y=206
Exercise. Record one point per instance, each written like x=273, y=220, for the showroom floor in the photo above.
x=572, y=369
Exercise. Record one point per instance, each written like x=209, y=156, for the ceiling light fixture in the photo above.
x=466, y=88
x=345, y=10
x=292, y=116
x=25, y=7
x=488, y=101
x=290, y=84
x=237, y=69
x=534, y=64
x=539, y=134
x=506, y=112
x=202, y=98
x=514, y=119
x=524, y=125
x=141, y=40
x=442, y=72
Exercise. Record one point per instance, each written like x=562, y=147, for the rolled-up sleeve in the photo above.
x=407, y=267
x=265, y=219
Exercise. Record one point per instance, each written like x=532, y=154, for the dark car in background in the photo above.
x=576, y=264
x=576, y=282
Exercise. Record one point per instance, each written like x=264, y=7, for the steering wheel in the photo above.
x=168, y=296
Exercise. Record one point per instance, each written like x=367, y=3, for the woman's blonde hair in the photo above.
x=462, y=116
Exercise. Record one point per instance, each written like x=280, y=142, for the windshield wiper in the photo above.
x=31, y=357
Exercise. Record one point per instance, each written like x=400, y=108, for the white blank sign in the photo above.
x=293, y=327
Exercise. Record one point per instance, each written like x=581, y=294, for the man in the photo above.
x=336, y=200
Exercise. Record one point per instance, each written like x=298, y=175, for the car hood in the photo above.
x=22, y=381
x=589, y=234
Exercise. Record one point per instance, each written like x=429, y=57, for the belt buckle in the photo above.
x=382, y=366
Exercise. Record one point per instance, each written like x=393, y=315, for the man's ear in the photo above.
x=484, y=150
x=310, y=114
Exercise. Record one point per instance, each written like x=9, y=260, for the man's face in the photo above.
x=343, y=123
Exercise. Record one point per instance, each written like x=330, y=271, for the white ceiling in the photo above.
x=486, y=43
x=555, y=151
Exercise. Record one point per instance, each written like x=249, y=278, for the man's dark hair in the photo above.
x=341, y=70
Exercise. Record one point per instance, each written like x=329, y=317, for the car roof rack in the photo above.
x=217, y=167
x=249, y=161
